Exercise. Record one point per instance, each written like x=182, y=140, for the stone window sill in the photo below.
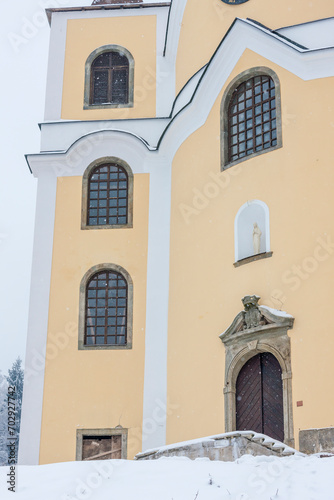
x=89, y=347
x=252, y=258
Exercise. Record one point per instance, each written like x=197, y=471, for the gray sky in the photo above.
x=24, y=35
x=24, y=32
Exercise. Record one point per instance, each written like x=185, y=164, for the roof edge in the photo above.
x=129, y=6
x=304, y=23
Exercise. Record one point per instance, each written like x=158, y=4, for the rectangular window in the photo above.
x=101, y=447
x=102, y=444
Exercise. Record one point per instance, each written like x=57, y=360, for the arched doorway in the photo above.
x=259, y=396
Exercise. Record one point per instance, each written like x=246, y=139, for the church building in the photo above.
x=184, y=239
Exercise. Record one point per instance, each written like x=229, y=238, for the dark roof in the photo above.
x=104, y=2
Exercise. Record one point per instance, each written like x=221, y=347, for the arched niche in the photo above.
x=252, y=212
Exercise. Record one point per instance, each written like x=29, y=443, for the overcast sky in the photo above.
x=24, y=42
x=24, y=32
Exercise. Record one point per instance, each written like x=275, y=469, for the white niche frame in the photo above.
x=260, y=211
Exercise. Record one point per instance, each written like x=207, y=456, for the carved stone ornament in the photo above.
x=254, y=318
x=254, y=330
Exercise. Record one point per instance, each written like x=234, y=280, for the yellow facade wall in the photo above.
x=205, y=23
x=296, y=182
x=92, y=389
x=138, y=35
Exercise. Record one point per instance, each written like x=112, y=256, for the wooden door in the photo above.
x=259, y=396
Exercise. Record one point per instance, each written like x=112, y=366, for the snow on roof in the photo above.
x=313, y=35
x=50, y=11
x=276, y=312
x=250, y=434
x=185, y=95
x=101, y=2
x=248, y=478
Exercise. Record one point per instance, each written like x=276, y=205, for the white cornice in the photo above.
x=87, y=149
x=61, y=135
x=135, y=9
x=197, y=101
x=306, y=64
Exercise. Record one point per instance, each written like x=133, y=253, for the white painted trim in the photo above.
x=60, y=135
x=267, y=225
x=274, y=34
x=155, y=377
x=186, y=93
x=56, y=66
x=38, y=320
x=165, y=87
x=165, y=74
x=56, y=62
x=162, y=20
x=174, y=29
x=87, y=149
x=158, y=163
x=306, y=65
x=167, y=65
x=317, y=34
x=74, y=162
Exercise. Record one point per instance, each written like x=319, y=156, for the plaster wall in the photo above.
x=295, y=182
x=209, y=20
x=204, y=287
x=92, y=389
x=138, y=35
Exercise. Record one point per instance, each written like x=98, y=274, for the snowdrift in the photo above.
x=177, y=478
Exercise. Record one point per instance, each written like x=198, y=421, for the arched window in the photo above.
x=107, y=194
x=109, y=78
x=252, y=232
x=251, y=115
x=105, y=309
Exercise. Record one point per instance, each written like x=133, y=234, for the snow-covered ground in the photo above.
x=249, y=478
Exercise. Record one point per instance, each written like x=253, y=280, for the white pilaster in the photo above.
x=155, y=377
x=38, y=320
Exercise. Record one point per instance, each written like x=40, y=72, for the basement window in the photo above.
x=101, y=444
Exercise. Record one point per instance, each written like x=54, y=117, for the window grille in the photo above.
x=107, y=196
x=252, y=118
x=110, y=79
x=106, y=309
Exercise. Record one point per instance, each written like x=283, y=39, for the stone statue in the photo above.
x=252, y=316
x=256, y=238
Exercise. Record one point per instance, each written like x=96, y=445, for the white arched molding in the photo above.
x=85, y=186
x=253, y=211
x=258, y=329
x=82, y=307
x=242, y=77
x=88, y=148
x=136, y=153
x=88, y=65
